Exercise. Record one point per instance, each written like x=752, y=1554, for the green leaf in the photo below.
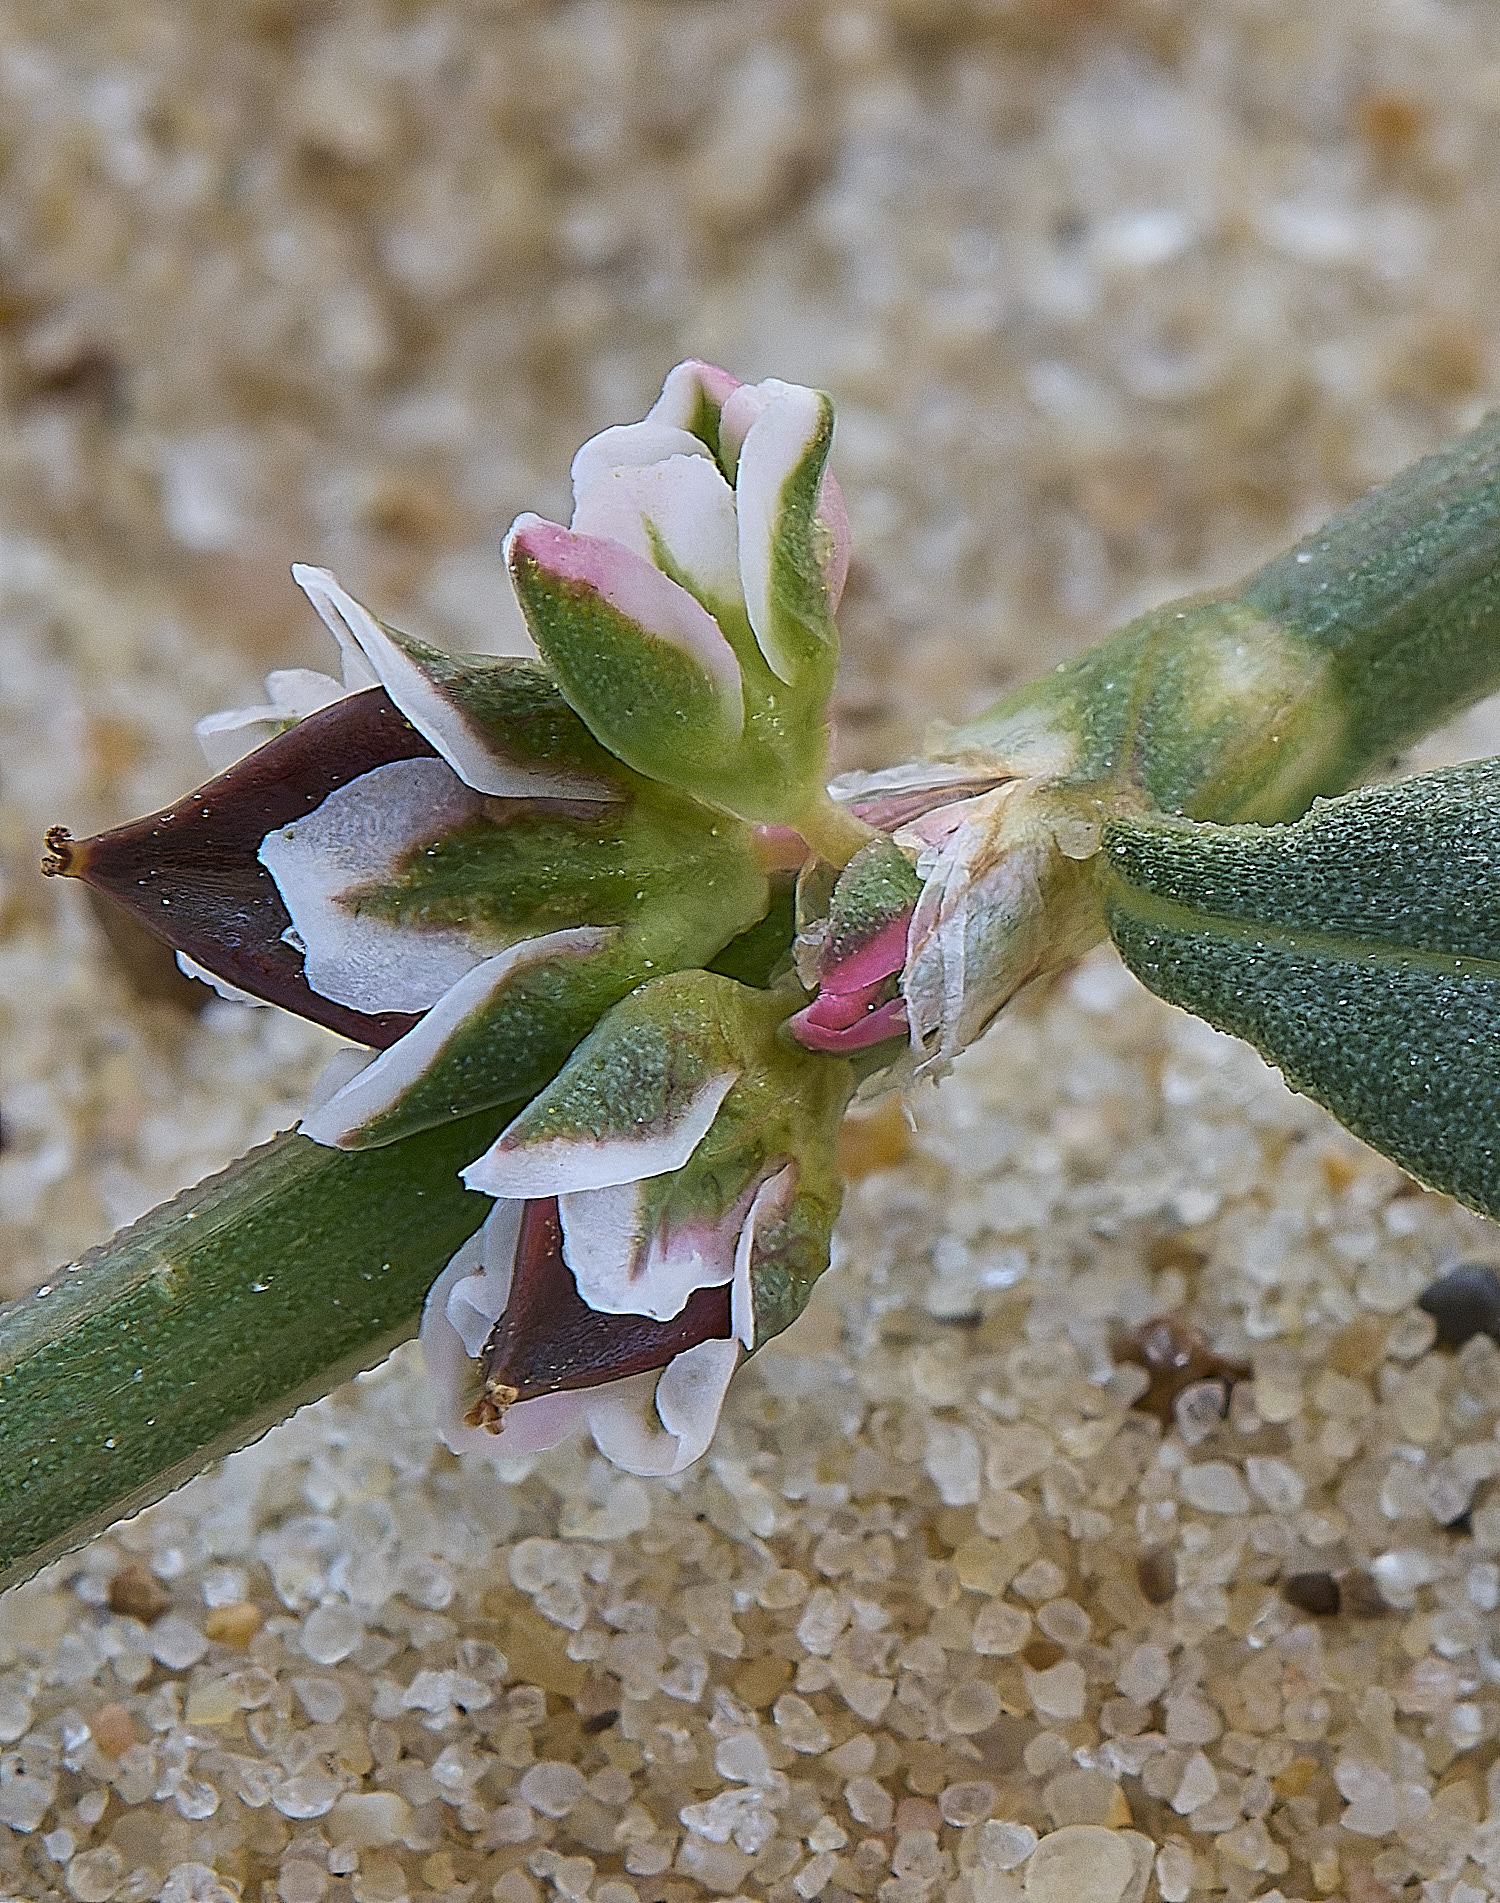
x=1358, y=950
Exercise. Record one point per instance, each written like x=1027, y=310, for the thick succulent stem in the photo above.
x=214, y=1317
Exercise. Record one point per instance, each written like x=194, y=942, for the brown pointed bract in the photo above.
x=548, y=1339
x=193, y=875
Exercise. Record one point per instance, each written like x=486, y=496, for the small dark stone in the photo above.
x=1040, y=1653
x=1362, y=1597
x=1317, y=1593
x=1156, y=1575
x=1464, y=1303
x=135, y=1593
x=1176, y=1357
x=600, y=1721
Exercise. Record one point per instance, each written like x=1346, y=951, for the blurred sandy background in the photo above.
x=1114, y=298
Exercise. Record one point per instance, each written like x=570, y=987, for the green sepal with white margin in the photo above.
x=497, y=720
x=688, y=611
x=587, y=904
x=1358, y=950
x=685, y=1102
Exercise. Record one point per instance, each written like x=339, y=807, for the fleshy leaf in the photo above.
x=1358, y=950
x=191, y=873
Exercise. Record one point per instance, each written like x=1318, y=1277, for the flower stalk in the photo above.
x=555, y=900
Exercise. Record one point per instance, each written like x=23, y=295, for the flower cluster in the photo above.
x=560, y=892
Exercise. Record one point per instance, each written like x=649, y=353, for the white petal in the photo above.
x=227, y=737
x=478, y=1300
x=681, y=506
x=341, y=1068
x=450, y=1366
x=618, y=1270
x=558, y=1166
x=380, y=1085
x=653, y=1425
x=434, y=714
x=685, y=389
x=354, y=838
x=741, y=411
x=300, y=691
x=603, y=1237
x=777, y=442
x=691, y=1393
x=190, y=968
x=292, y=693
x=631, y=446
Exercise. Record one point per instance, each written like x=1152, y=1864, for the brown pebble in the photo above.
x=1317, y=1593
x=233, y=1625
x=1175, y=1356
x=1294, y=1779
x=1041, y=1653
x=1362, y=1598
x=1357, y=1349
x=1156, y=1575
x=113, y=1729
x=137, y=1594
x=760, y=1681
x=1390, y=122
x=878, y=1141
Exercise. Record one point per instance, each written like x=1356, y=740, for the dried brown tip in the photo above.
x=489, y=1410
x=57, y=861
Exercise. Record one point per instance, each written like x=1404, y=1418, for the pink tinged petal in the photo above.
x=687, y=389
x=631, y=446
x=813, y=1030
x=776, y=445
x=682, y=506
x=356, y=838
x=564, y=1165
x=619, y=1270
x=434, y=714
x=381, y=1085
x=881, y=956
x=637, y=591
x=662, y=1428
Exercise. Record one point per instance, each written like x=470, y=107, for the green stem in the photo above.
x=212, y=1318
x=1301, y=681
